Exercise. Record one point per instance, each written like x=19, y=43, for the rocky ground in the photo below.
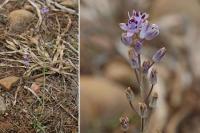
x=105, y=72
x=38, y=66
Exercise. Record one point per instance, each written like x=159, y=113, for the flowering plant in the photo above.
x=139, y=27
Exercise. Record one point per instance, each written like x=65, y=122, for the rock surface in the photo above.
x=35, y=87
x=8, y=82
x=70, y=3
x=19, y=20
x=101, y=99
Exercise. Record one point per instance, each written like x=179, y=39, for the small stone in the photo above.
x=35, y=87
x=70, y=3
x=101, y=99
x=39, y=80
x=19, y=20
x=8, y=82
x=28, y=7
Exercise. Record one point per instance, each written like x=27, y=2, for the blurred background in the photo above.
x=105, y=71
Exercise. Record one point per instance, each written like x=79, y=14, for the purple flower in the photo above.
x=149, y=31
x=139, y=17
x=153, y=77
x=126, y=40
x=159, y=54
x=44, y=10
x=129, y=27
x=134, y=23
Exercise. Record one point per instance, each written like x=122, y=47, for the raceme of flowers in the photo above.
x=139, y=28
x=138, y=24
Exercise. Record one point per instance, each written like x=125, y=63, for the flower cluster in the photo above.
x=139, y=28
x=138, y=24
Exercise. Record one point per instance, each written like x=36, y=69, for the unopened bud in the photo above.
x=142, y=110
x=159, y=54
x=145, y=66
x=134, y=58
x=138, y=47
x=124, y=122
x=153, y=101
x=126, y=39
x=129, y=94
x=153, y=77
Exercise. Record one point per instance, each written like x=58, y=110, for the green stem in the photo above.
x=142, y=125
x=137, y=77
x=140, y=77
x=132, y=107
x=151, y=89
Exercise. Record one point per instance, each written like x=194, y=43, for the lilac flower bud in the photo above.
x=134, y=59
x=143, y=110
x=26, y=58
x=129, y=94
x=159, y=54
x=124, y=122
x=153, y=101
x=126, y=40
x=145, y=66
x=149, y=31
x=138, y=47
x=153, y=77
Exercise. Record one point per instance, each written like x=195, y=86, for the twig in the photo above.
x=4, y=3
x=33, y=93
x=71, y=46
x=66, y=110
x=7, y=65
x=16, y=93
x=40, y=75
x=38, y=13
x=69, y=24
x=63, y=8
x=10, y=52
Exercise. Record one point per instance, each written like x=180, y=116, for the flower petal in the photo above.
x=123, y=26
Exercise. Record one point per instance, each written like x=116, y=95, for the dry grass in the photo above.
x=51, y=44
